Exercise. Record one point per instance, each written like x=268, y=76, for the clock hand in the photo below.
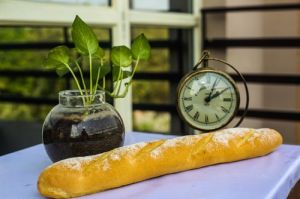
x=208, y=98
x=218, y=93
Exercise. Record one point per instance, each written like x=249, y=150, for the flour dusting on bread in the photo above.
x=220, y=137
x=128, y=150
x=77, y=162
x=173, y=143
x=125, y=151
x=268, y=134
x=224, y=137
x=105, y=165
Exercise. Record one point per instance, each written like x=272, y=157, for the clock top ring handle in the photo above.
x=205, y=58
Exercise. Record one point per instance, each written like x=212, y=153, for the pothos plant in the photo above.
x=87, y=53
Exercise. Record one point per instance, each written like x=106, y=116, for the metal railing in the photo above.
x=283, y=42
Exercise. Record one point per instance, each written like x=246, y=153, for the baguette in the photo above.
x=129, y=164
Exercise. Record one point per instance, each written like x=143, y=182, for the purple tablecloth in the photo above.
x=271, y=176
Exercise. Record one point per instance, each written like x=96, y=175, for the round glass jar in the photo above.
x=81, y=125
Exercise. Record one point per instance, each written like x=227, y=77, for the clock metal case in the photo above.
x=205, y=69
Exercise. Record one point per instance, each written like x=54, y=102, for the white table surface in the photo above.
x=271, y=176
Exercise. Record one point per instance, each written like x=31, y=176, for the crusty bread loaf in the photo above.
x=85, y=175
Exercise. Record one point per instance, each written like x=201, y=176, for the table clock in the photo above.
x=208, y=99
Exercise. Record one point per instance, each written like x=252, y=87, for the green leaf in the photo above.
x=99, y=54
x=57, y=57
x=121, y=56
x=117, y=70
x=105, y=69
x=141, y=48
x=83, y=37
x=63, y=70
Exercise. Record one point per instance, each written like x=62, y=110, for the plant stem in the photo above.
x=130, y=80
x=91, y=79
x=91, y=73
x=120, y=85
x=107, y=92
x=81, y=75
x=134, y=69
x=117, y=84
x=97, y=80
x=103, y=83
x=117, y=88
x=77, y=82
x=98, y=75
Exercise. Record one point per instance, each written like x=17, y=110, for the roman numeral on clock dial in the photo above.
x=196, y=116
x=224, y=109
x=218, y=118
x=227, y=99
x=187, y=98
x=189, y=108
x=206, y=119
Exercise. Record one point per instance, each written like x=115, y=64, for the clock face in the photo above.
x=208, y=100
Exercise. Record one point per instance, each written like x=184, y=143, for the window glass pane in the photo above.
x=151, y=121
x=82, y=2
x=165, y=43
x=22, y=59
x=156, y=92
x=162, y=5
x=152, y=33
x=31, y=86
x=103, y=35
x=30, y=34
x=159, y=62
x=13, y=111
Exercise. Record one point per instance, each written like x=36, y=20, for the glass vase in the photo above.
x=81, y=125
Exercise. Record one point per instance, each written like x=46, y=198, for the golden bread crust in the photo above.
x=129, y=164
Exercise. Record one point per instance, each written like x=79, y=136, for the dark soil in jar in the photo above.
x=71, y=136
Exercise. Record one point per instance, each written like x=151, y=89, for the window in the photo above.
x=117, y=21
x=154, y=90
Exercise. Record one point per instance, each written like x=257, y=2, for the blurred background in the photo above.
x=260, y=37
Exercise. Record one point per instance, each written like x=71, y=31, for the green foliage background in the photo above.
x=143, y=91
